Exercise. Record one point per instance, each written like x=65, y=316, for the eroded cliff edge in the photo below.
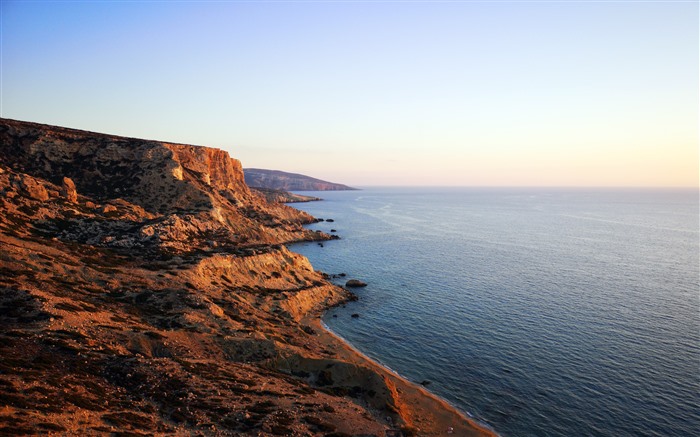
x=144, y=289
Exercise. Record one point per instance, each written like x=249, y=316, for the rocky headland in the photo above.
x=146, y=290
x=281, y=180
x=282, y=196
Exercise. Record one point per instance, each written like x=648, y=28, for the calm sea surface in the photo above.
x=540, y=312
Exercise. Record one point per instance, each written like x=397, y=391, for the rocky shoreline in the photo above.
x=146, y=290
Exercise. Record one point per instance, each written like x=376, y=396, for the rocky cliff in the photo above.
x=186, y=198
x=145, y=290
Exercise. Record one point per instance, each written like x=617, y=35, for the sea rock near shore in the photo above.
x=355, y=283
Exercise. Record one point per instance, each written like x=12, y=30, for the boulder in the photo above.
x=30, y=187
x=355, y=283
x=68, y=190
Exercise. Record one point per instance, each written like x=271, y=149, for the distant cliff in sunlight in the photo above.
x=280, y=180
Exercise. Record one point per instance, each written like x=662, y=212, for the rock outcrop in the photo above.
x=355, y=283
x=146, y=290
x=68, y=190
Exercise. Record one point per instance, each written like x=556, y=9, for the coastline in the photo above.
x=423, y=390
x=424, y=412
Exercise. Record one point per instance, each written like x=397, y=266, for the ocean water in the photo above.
x=540, y=312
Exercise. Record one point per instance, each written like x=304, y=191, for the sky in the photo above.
x=441, y=93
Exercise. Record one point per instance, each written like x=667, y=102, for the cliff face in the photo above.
x=158, y=176
x=192, y=198
x=145, y=289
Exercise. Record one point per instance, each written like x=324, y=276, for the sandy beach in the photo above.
x=425, y=413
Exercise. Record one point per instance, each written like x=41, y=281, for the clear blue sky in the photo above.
x=367, y=93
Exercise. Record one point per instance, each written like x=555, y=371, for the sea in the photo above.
x=536, y=311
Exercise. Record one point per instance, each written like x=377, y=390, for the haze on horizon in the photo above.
x=529, y=93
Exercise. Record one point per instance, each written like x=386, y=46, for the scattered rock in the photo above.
x=425, y=383
x=333, y=230
x=330, y=220
x=68, y=190
x=32, y=188
x=355, y=315
x=355, y=283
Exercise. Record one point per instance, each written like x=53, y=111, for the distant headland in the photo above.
x=280, y=180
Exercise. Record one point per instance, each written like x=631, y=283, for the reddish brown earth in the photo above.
x=145, y=290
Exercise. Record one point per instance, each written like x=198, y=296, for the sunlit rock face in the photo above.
x=191, y=197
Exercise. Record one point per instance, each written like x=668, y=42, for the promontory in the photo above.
x=146, y=290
